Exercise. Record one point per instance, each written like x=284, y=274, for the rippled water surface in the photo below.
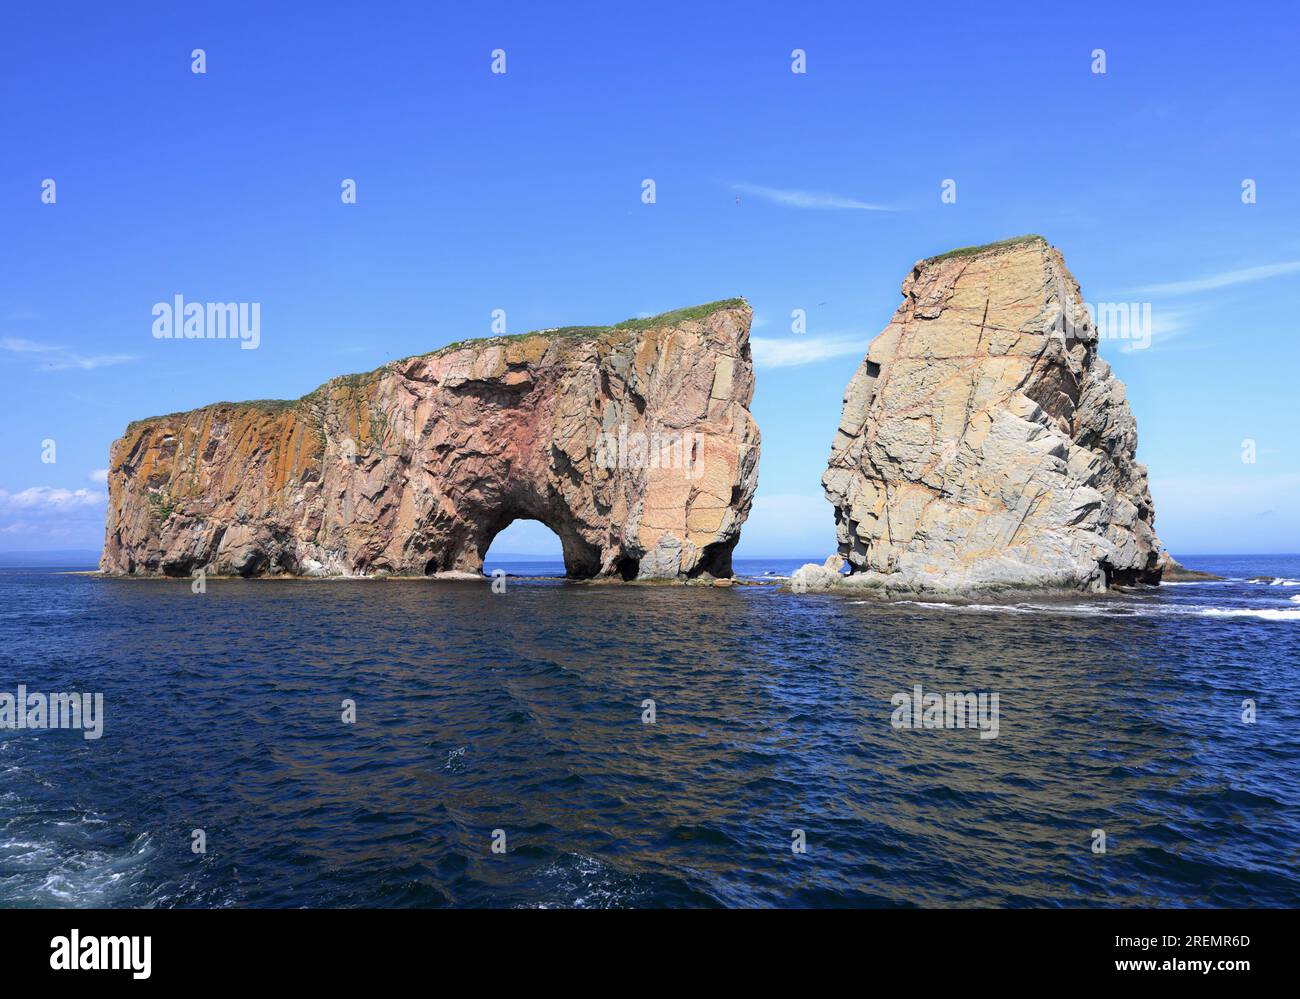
x=522, y=712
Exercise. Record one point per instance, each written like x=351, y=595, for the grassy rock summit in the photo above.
x=633, y=443
x=984, y=443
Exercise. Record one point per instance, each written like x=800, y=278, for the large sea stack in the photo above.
x=633, y=443
x=984, y=443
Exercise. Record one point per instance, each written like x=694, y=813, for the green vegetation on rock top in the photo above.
x=970, y=251
x=648, y=323
x=577, y=332
x=680, y=315
x=267, y=405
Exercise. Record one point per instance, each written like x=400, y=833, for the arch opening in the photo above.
x=526, y=545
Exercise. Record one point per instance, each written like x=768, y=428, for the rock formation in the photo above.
x=984, y=443
x=1173, y=571
x=633, y=443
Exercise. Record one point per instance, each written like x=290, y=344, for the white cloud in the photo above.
x=809, y=199
x=99, y=475
x=47, y=499
x=55, y=358
x=795, y=349
x=1223, y=279
x=48, y=517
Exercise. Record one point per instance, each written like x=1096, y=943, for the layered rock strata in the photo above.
x=633, y=443
x=984, y=443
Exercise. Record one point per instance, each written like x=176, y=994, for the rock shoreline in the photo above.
x=440, y=577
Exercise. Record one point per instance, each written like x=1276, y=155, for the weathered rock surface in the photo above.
x=813, y=578
x=633, y=443
x=1173, y=571
x=984, y=443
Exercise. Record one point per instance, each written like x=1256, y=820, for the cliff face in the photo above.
x=983, y=441
x=633, y=443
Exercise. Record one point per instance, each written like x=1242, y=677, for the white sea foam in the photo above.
x=56, y=865
x=1021, y=608
x=1100, y=609
x=575, y=881
x=1263, y=613
x=456, y=758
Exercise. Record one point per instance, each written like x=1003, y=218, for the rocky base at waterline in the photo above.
x=830, y=577
x=984, y=444
x=479, y=578
x=633, y=443
x=1173, y=571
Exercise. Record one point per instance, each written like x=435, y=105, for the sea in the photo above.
x=421, y=743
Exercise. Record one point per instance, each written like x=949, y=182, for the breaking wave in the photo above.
x=1263, y=613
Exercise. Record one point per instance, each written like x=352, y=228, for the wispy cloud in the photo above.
x=99, y=475
x=49, y=357
x=809, y=199
x=796, y=349
x=1166, y=324
x=17, y=345
x=1223, y=279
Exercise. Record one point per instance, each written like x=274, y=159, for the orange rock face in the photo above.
x=633, y=443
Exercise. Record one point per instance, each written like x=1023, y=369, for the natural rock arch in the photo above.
x=633, y=443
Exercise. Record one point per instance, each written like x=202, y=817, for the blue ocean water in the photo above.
x=522, y=712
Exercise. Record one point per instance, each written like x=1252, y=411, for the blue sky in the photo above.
x=522, y=192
